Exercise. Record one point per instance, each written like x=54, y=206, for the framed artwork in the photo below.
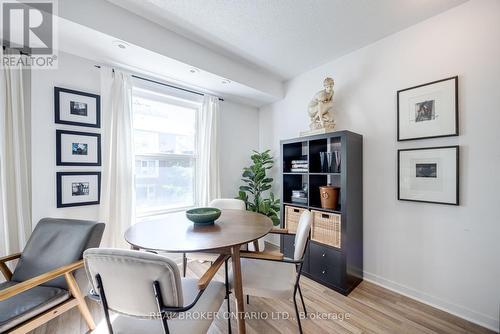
x=428, y=111
x=77, y=108
x=78, y=188
x=429, y=175
x=78, y=148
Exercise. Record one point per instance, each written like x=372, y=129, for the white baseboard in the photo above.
x=460, y=311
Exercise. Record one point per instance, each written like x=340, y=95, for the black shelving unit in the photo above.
x=338, y=268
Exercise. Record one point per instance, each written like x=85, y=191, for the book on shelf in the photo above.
x=298, y=170
x=300, y=200
x=299, y=162
x=299, y=193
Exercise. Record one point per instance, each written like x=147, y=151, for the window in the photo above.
x=165, y=152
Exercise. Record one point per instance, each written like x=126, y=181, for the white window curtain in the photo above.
x=15, y=188
x=117, y=191
x=208, y=178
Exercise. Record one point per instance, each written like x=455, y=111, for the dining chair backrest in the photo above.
x=55, y=243
x=127, y=280
x=228, y=204
x=302, y=234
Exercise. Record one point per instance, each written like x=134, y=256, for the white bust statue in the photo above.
x=321, y=108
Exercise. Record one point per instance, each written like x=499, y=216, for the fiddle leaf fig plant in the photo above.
x=256, y=184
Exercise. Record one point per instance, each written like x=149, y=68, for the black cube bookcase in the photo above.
x=338, y=268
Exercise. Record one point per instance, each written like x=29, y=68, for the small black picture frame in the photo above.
x=77, y=108
x=452, y=109
x=59, y=187
x=456, y=161
x=60, y=161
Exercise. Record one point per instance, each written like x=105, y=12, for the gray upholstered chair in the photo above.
x=270, y=275
x=147, y=295
x=42, y=285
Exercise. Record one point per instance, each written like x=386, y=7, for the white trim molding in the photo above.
x=443, y=305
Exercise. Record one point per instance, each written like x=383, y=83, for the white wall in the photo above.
x=443, y=255
x=238, y=125
x=239, y=135
x=74, y=73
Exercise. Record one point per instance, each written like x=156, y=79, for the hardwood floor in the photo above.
x=370, y=309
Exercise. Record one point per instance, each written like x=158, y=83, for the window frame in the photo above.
x=158, y=94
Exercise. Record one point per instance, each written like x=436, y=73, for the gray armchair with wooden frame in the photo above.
x=270, y=275
x=43, y=284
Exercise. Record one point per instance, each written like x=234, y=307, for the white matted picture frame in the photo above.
x=428, y=111
x=78, y=188
x=429, y=175
x=77, y=108
x=75, y=148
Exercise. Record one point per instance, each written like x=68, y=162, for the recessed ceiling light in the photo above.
x=225, y=81
x=194, y=70
x=120, y=44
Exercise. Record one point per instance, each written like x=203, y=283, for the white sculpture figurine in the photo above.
x=321, y=109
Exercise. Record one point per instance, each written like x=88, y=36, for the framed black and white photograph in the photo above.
x=77, y=108
x=78, y=148
x=428, y=111
x=429, y=175
x=78, y=188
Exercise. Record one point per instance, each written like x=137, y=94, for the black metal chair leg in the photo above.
x=104, y=302
x=226, y=274
x=184, y=264
x=159, y=304
x=302, y=299
x=297, y=311
x=227, y=297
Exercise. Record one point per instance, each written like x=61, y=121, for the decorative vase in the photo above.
x=337, y=162
x=329, y=197
x=323, y=162
x=329, y=157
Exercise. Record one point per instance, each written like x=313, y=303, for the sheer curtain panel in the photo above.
x=117, y=191
x=208, y=178
x=15, y=188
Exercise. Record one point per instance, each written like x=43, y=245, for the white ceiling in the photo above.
x=93, y=28
x=285, y=37
x=101, y=48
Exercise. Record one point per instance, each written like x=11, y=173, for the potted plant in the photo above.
x=257, y=185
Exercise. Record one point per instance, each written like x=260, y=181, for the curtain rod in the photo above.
x=22, y=53
x=167, y=85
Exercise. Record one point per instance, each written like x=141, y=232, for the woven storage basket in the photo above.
x=292, y=217
x=326, y=228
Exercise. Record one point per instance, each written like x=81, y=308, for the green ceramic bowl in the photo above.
x=203, y=216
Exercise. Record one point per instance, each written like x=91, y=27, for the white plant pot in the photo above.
x=262, y=245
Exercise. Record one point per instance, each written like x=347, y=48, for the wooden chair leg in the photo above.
x=82, y=305
x=5, y=271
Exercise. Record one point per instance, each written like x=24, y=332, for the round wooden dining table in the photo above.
x=176, y=234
